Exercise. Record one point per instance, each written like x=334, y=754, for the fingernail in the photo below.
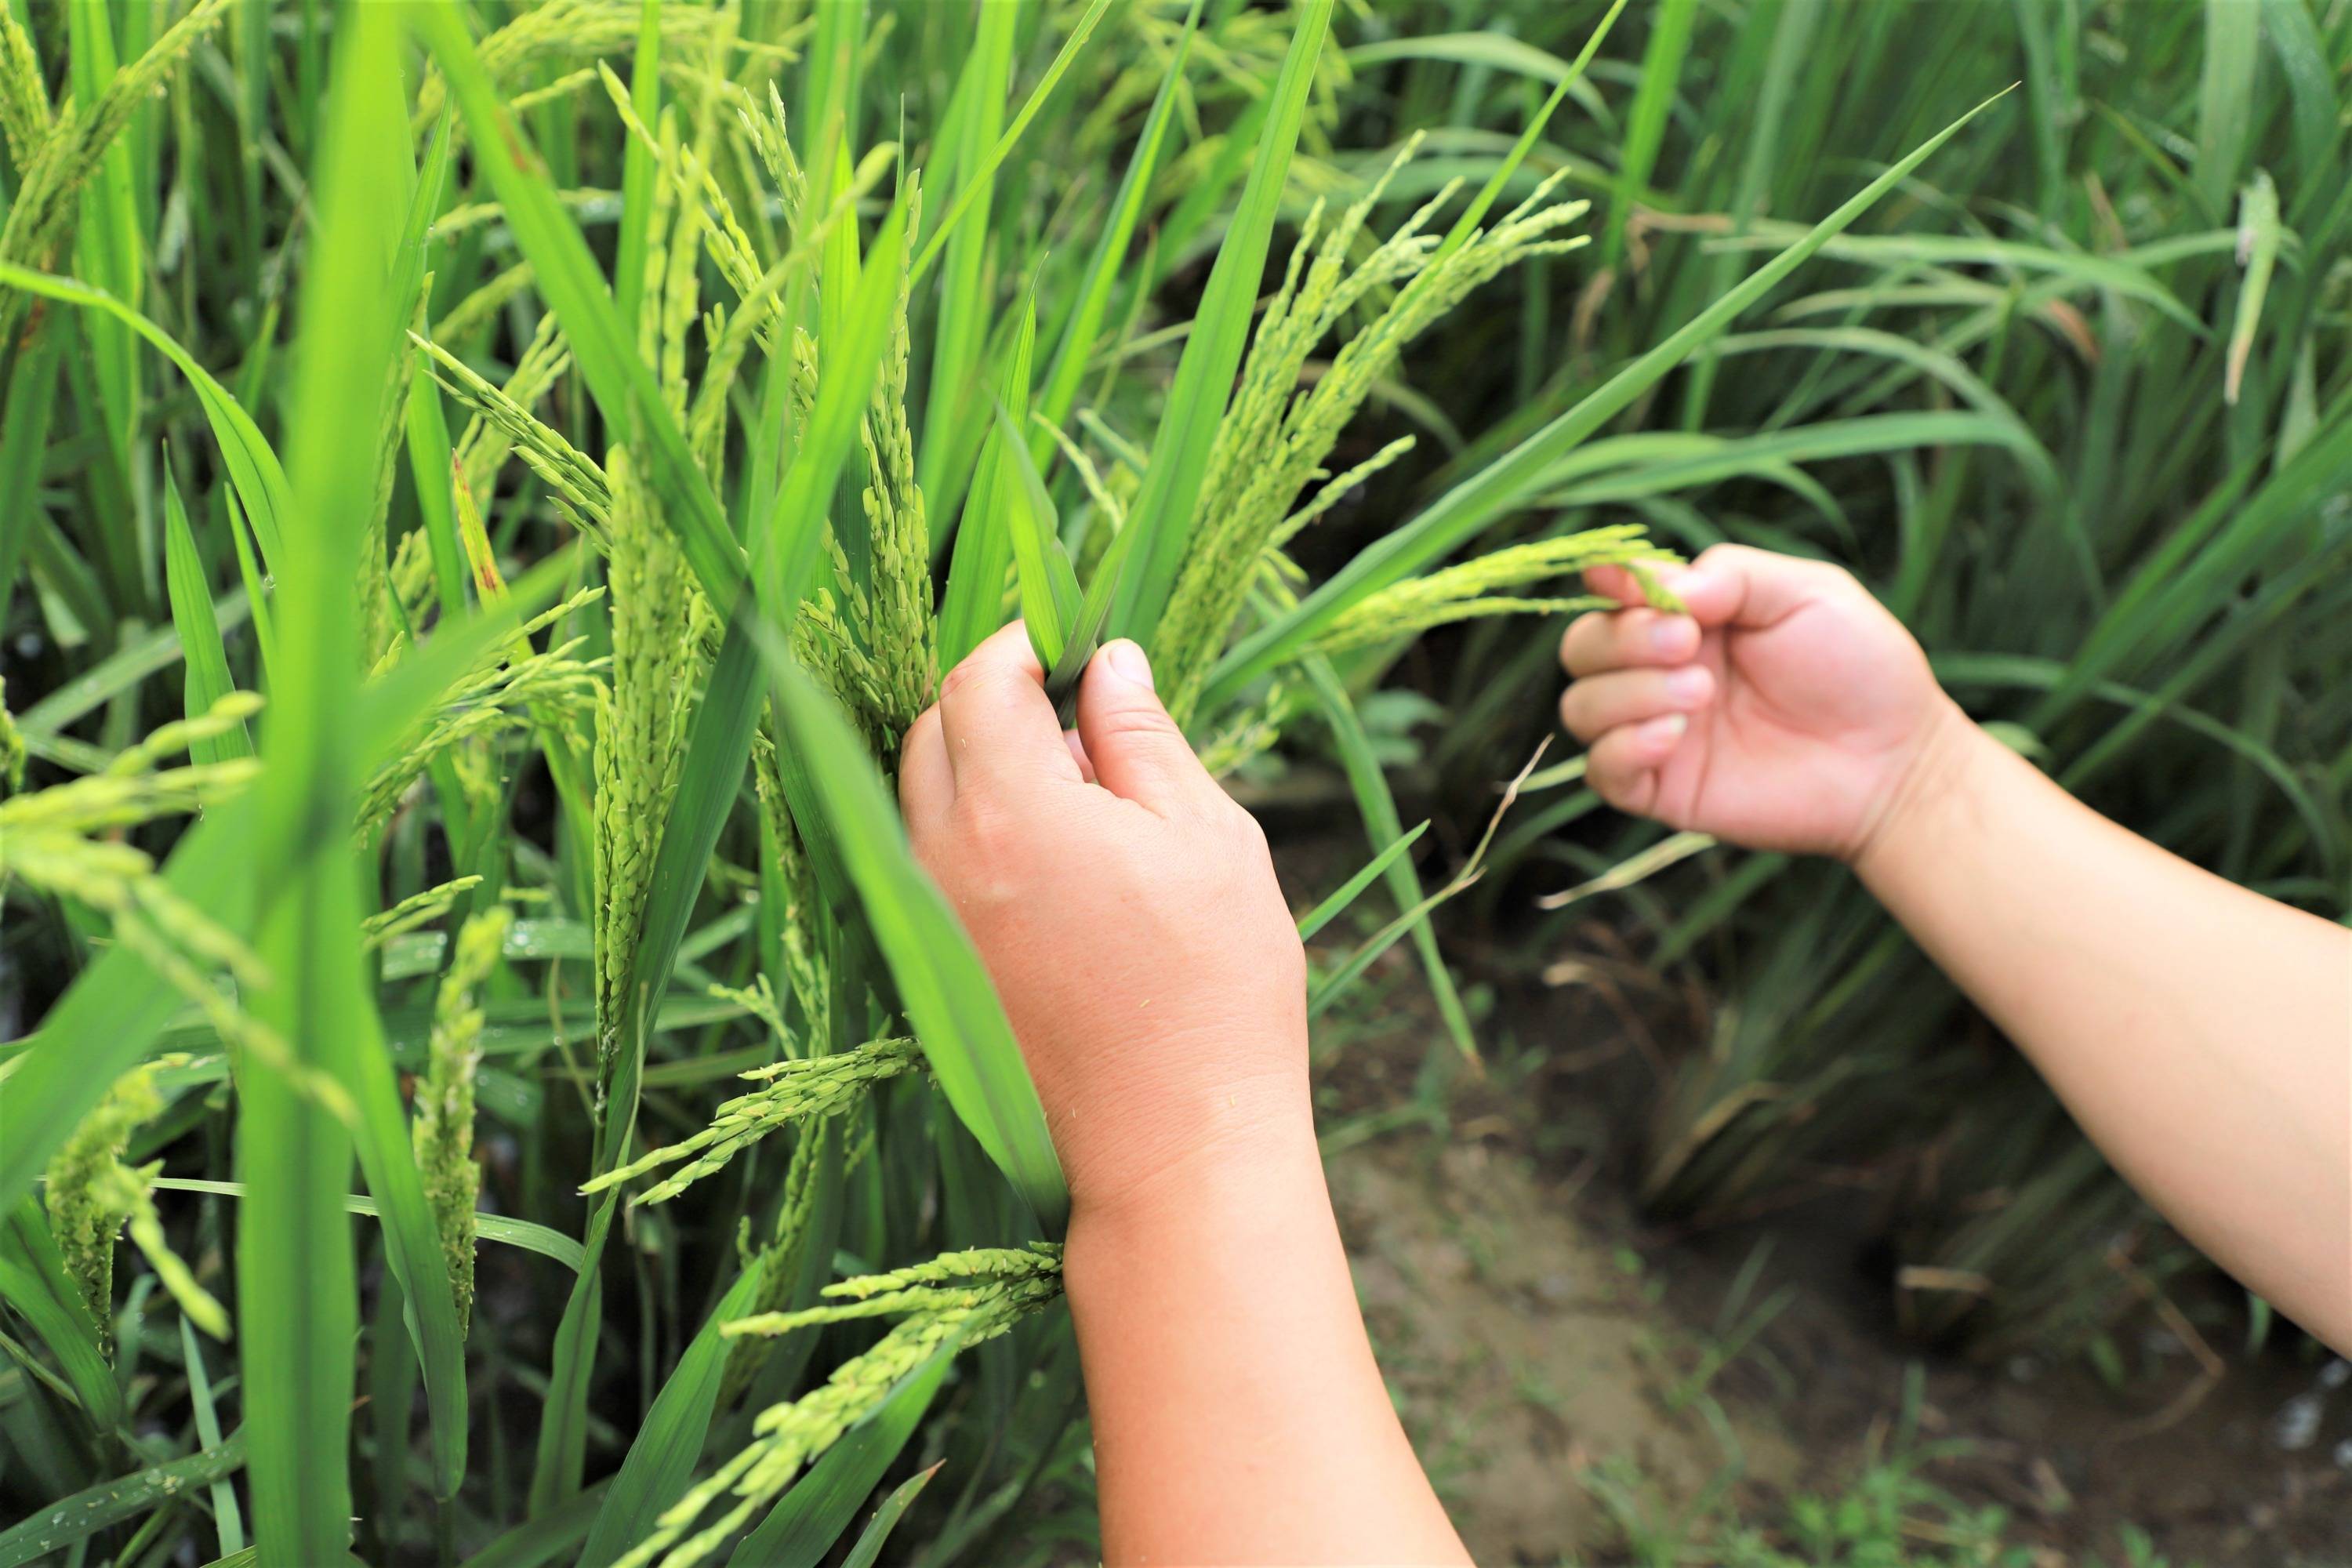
x=1664, y=731
x=1679, y=582
x=1669, y=634
x=1127, y=661
x=1688, y=684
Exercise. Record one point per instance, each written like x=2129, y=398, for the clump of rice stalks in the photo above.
x=1275, y=434
x=806, y=1090
x=443, y=1132
x=92, y=1196
x=955, y=1300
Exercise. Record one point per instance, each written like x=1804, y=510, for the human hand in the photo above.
x=1788, y=710
x=1128, y=910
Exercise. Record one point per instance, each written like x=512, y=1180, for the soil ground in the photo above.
x=1539, y=1340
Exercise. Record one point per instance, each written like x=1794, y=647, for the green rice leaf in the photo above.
x=505, y=1229
x=70, y=1521
x=1049, y=586
x=24, y=442
x=885, y=1519
x=1346, y=894
x=33, y=1282
x=204, y=660
x=298, y=1290
x=1378, y=807
x=662, y=1459
x=253, y=467
x=228, y=1519
x=1162, y=513
x=1094, y=292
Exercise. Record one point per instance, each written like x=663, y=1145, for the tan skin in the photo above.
x=1128, y=912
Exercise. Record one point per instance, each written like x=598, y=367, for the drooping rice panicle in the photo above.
x=642, y=724
x=92, y=1196
x=807, y=1090
x=419, y=908
x=11, y=745
x=960, y=1299
x=1274, y=437
x=579, y=481
x=1471, y=588
x=442, y=1130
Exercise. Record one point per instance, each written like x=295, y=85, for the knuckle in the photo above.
x=962, y=679
x=1134, y=724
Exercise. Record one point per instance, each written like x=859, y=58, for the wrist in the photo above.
x=1946, y=768
x=1261, y=1171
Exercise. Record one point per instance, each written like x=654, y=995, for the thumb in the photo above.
x=1138, y=752
x=1738, y=585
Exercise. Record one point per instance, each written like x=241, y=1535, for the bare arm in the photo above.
x=1128, y=912
x=2201, y=1033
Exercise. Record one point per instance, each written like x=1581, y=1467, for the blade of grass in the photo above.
x=298, y=1286
x=24, y=442
x=951, y=426
x=1480, y=205
x=1378, y=807
x=885, y=1519
x=1346, y=894
x=1478, y=501
x=637, y=172
x=504, y=1228
x=204, y=660
x=1645, y=123
x=228, y=1520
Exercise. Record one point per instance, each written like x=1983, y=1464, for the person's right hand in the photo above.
x=1788, y=710
x=1128, y=910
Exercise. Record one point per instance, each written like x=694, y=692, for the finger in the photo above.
x=1618, y=639
x=1616, y=582
x=926, y=779
x=1139, y=753
x=1623, y=765
x=1599, y=703
x=999, y=725
x=1079, y=749
x=1736, y=584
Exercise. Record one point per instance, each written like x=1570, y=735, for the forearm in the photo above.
x=1238, y=1414
x=2201, y=1033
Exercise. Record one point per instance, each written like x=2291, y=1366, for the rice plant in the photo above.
x=601, y=425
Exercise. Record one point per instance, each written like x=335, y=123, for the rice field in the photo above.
x=485, y=488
